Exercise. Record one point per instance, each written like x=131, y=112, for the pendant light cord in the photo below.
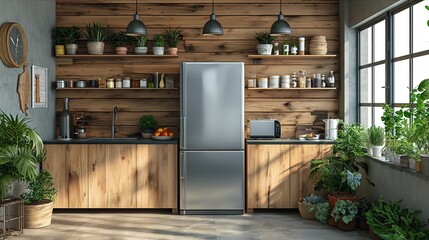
x=136, y=7
x=212, y=6
x=280, y=6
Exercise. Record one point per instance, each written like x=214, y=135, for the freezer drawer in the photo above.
x=212, y=181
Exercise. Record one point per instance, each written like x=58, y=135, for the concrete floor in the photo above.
x=130, y=226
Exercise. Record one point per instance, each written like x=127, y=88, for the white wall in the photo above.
x=38, y=20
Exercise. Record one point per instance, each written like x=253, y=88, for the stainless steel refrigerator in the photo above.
x=212, y=138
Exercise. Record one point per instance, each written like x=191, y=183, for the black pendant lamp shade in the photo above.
x=212, y=27
x=280, y=27
x=136, y=27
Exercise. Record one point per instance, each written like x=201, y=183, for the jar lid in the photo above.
x=262, y=79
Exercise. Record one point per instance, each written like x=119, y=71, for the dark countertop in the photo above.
x=289, y=141
x=110, y=141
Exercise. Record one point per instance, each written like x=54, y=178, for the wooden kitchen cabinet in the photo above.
x=277, y=174
x=113, y=175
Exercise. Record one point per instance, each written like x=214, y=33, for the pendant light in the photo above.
x=136, y=27
x=280, y=27
x=212, y=27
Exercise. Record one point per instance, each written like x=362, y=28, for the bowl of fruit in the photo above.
x=312, y=136
x=162, y=134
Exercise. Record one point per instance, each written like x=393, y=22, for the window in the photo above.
x=388, y=72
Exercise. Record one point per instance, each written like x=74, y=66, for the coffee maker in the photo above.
x=331, y=128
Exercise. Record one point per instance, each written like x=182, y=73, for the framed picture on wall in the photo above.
x=39, y=87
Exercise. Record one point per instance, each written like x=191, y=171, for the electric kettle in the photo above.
x=331, y=128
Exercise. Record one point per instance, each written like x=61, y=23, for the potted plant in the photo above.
x=38, y=201
x=120, y=41
x=344, y=213
x=321, y=211
x=60, y=35
x=172, y=36
x=158, y=44
x=96, y=34
x=305, y=204
x=72, y=36
x=338, y=173
x=376, y=139
x=363, y=206
x=21, y=148
x=148, y=124
x=265, y=45
x=141, y=48
x=388, y=220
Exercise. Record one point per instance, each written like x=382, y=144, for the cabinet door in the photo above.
x=76, y=156
x=121, y=175
x=157, y=176
x=55, y=163
x=268, y=181
x=97, y=167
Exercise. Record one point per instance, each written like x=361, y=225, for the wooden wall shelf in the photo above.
x=85, y=56
x=290, y=56
x=288, y=89
x=110, y=89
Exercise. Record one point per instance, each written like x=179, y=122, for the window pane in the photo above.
x=365, y=85
x=378, y=112
x=366, y=116
x=380, y=41
x=401, y=78
x=420, y=69
x=420, y=28
x=365, y=46
x=401, y=33
x=380, y=83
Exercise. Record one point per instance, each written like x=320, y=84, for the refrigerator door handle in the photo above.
x=182, y=132
x=182, y=186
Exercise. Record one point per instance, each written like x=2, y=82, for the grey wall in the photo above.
x=362, y=11
x=38, y=20
x=395, y=183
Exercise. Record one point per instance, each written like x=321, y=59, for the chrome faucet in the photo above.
x=115, y=119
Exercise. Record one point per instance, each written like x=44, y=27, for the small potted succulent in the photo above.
x=60, y=36
x=265, y=45
x=72, y=36
x=120, y=42
x=158, y=44
x=140, y=47
x=148, y=125
x=96, y=34
x=344, y=213
x=172, y=36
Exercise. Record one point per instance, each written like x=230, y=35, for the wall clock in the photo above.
x=13, y=48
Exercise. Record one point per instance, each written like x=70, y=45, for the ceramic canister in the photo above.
x=285, y=81
x=274, y=81
x=262, y=82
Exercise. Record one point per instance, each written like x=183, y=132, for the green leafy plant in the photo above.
x=158, y=40
x=264, y=37
x=148, y=122
x=141, y=41
x=390, y=221
x=120, y=39
x=376, y=136
x=41, y=190
x=172, y=36
x=312, y=199
x=21, y=148
x=345, y=210
x=60, y=35
x=321, y=211
x=96, y=33
x=334, y=173
x=73, y=34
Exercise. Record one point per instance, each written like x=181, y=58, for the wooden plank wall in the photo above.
x=298, y=110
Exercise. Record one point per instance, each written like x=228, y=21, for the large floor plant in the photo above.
x=21, y=148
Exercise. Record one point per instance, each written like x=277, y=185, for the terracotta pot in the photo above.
x=362, y=224
x=172, y=51
x=372, y=235
x=71, y=48
x=331, y=222
x=347, y=227
x=419, y=167
x=121, y=50
x=95, y=48
x=59, y=49
x=333, y=198
x=37, y=216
